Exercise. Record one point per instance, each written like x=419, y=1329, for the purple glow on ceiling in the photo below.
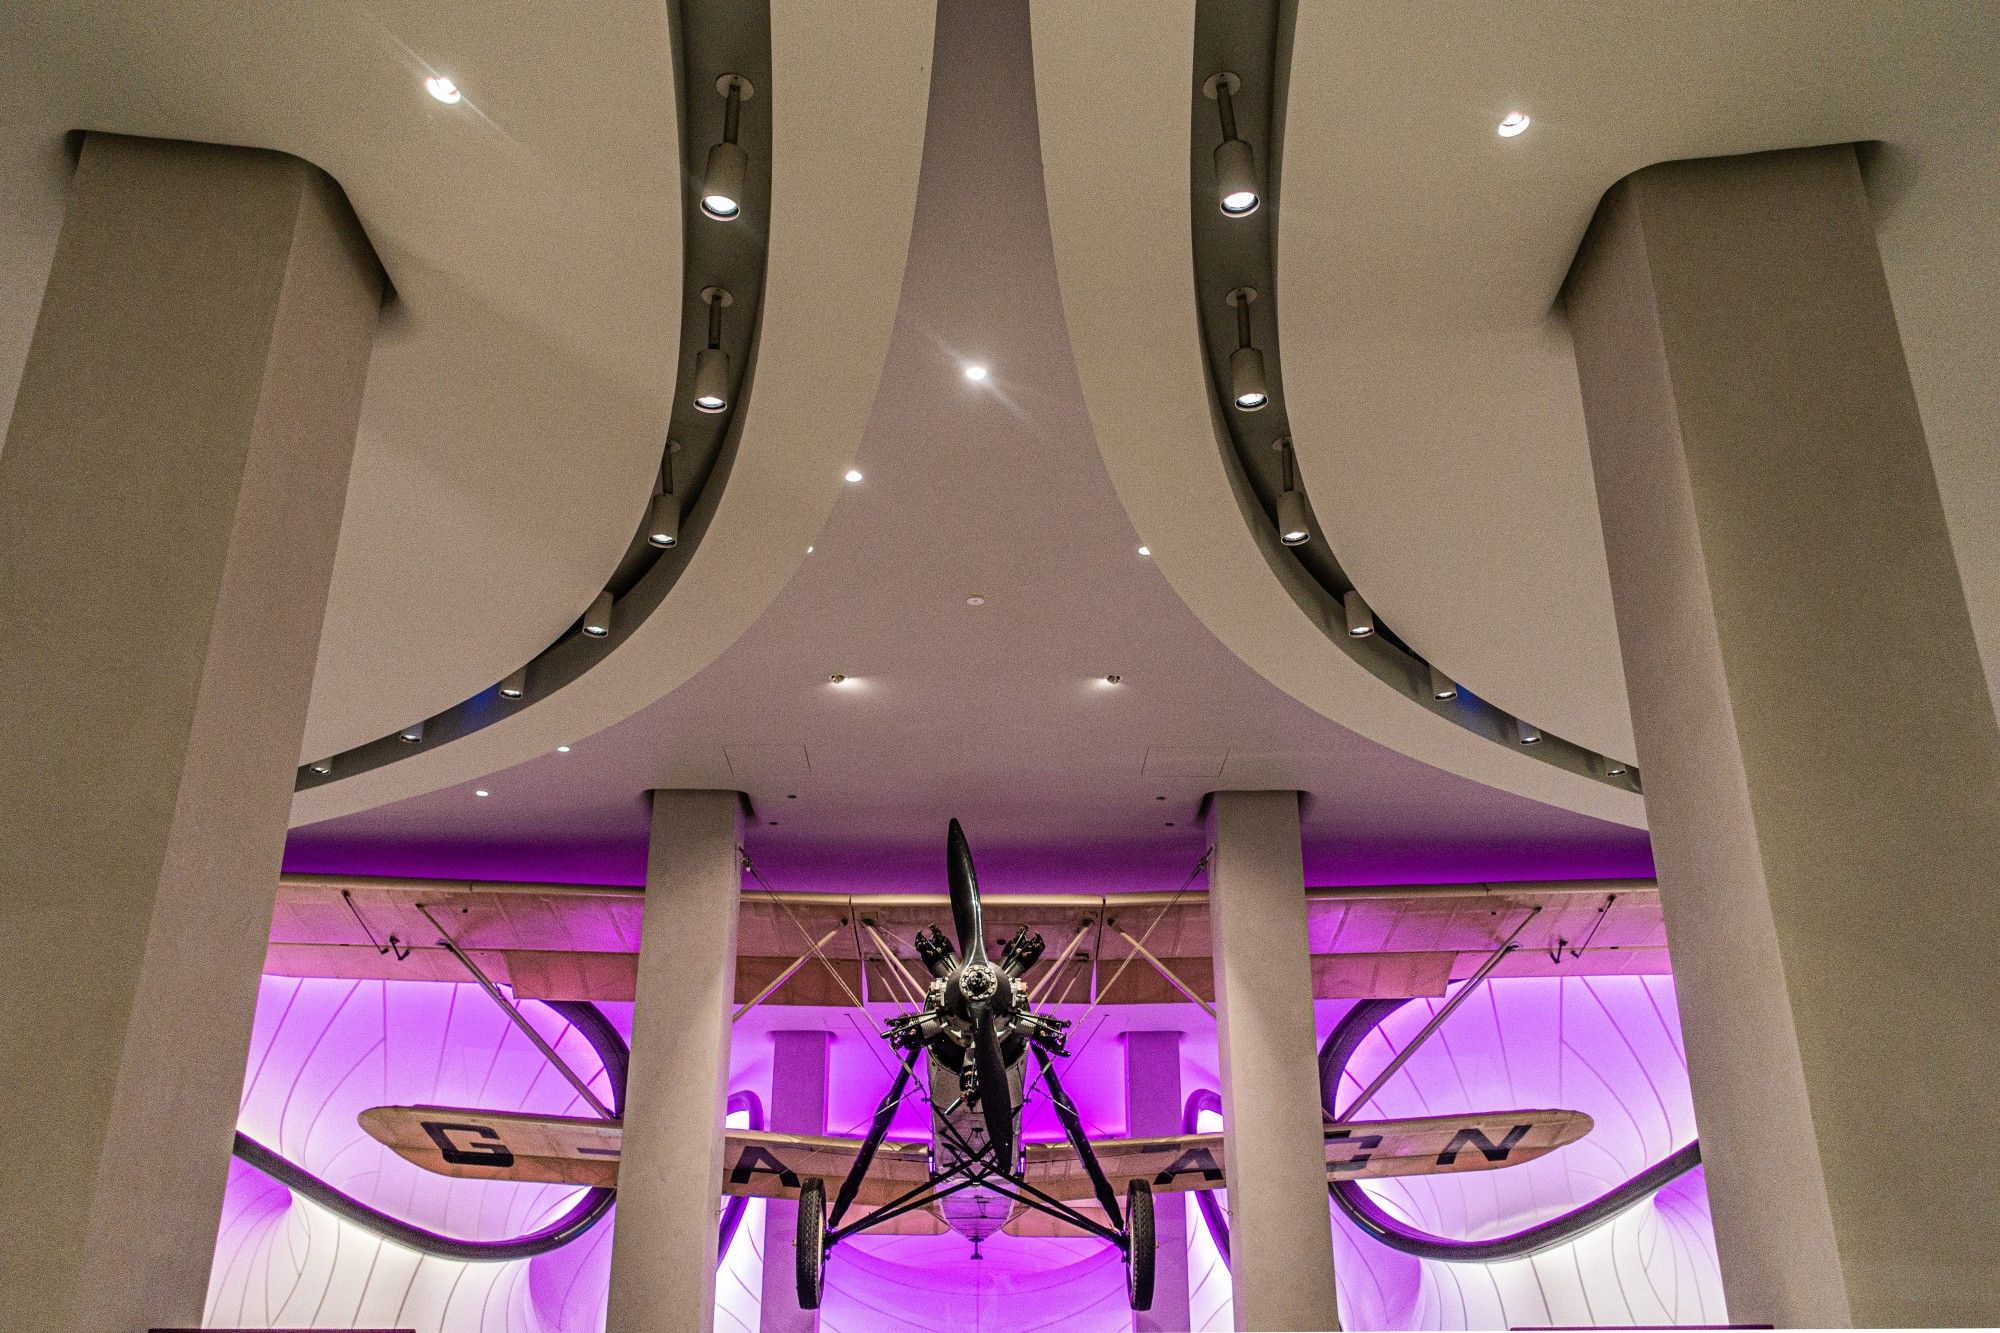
x=323, y=1050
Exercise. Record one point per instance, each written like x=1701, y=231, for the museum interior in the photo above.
x=769, y=665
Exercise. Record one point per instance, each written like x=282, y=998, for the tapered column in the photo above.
x=798, y=1106
x=670, y=1167
x=1821, y=757
x=170, y=498
x=1152, y=1108
x=1280, y=1229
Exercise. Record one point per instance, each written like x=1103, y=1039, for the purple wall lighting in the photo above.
x=324, y=1050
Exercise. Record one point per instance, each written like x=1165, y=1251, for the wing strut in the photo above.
x=1493, y=960
x=877, y=1131
x=486, y=983
x=1107, y=1198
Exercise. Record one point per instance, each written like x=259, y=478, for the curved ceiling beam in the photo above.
x=1114, y=87
x=846, y=108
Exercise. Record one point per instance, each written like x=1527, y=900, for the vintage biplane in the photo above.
x=974, y=1032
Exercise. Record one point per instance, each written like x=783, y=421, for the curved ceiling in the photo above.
x=1429, y=382
x=1429, y=378
x=1116, y=154
x=518, y=391
x=999, y=712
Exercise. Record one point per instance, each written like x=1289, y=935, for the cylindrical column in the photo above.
x=797, y=1106
x=1821, y=758
x=1280, y=1227
x=1152, y=1108
x=170, y=498
x=670, y=1167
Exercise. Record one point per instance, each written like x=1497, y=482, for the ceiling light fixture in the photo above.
x=1235, y=160
x=1513, y=123
x=1360, y=620
x=975, y=600
x=1246, y=364
x=562, y=749
x=853, y=475
x=837, y=679
x=1294, y=523
x=1442, y=686
x=320, y=768
x=481, y=791
x=443, y=89
x=516, y=685
x=663, y=516
x=1145, y=550
x=597, y=620
x=728, y=164
x=711, y=364
x=1526, y=734
x=411, y=734
x=1114, y=679
x=975, y=372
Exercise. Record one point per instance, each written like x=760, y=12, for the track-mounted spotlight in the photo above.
x=663, y=517
x=1442, y=686
x=412, y=734
x=1246, y=364
x=711, y=364
x=516, y=685
x=1294, y=524
x=1526, y=734
x=1360, y=620
x=319, y=768
x=728, y=164
x=597, y=620
x=1235, y=160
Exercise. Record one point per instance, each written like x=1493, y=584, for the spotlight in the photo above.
x=1235, y=160
x=1360, y=620
x=1442, y=686
x=562, y=749
x=515, y=686
x=1114, y=679
x=597, y=620
x=711, y=364
x=975, y=372
x=481, y=791
x=1246, y=364
x=1526, y=734
x=443, y=89
x=728, y=164
x=1294, y=525
x=412, y=733
x=853, y=475
x=319, y=768
x=663, y=517
x=1513, y=123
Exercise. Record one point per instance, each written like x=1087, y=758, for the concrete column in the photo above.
x=1153, y=1107
x=670, y=1168
x=170, y=497
x=1821, y=757
x=1280, y=1229
x=798, y=1106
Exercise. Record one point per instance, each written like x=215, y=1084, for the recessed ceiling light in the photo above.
x=853, y=475
x=438, y=86
x=1513, y=123
x=809, y=550
x=562, y=749
x=975, y=372
x=1145, y=550
x=837, y=679
x=975, y=600
x=482, y=792
x=1113, y=679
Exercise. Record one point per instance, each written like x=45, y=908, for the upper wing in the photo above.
x=1360, y=1151
x=579, y=1150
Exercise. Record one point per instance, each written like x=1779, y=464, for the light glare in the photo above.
x=1513, y=123
x=443, y=89
x=853, y=475
x=975, y=373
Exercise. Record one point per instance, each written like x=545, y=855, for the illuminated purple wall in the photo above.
x=324, y=1050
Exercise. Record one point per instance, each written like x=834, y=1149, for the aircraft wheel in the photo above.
x=811, y=1245
x=1139, y=1244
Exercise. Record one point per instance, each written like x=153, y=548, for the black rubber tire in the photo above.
x=1139, y=1244
x=811, y=1243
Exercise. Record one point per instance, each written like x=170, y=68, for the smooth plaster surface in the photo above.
x=170, y=497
